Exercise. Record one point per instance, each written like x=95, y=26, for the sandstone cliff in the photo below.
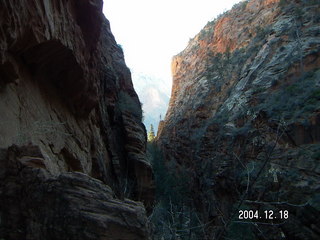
x=72, y=145
x=243, y=120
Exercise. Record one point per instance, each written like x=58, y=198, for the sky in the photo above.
x=152, y=32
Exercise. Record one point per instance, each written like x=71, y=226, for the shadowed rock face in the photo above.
x=71, y=205
x=243, y=118
x=68, y=105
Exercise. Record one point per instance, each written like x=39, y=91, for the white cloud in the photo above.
x=151, y=32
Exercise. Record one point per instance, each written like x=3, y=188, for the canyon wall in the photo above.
x=72, y=145
x=243, y=120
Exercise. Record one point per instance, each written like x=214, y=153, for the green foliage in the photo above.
x=310, y=2
x=172, y=216
x=298, y=12
x=218, y=64
x=241, y=5
x=315, y=201
x=275, y=82
x=259, y=90
x=240, y=231
x=244, y=4
x=316, y=155
x=208, y=30
x=261, y=33
x=221, y=117
x=206, y=33
x=151, y=135
x=172, y=184
x=295, y=101
x=243, y=131
x=223, y=65
x=315, y=151
x=282, y=3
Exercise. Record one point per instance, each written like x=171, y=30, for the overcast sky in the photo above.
x=152, y=32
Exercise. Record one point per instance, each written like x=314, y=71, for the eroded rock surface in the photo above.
x=243, y=119
x=68, y=105
x=73, y=205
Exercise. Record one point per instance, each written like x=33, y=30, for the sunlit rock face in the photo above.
x=243, y=118
x=71, y=137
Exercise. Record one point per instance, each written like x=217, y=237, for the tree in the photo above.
x=151, y=135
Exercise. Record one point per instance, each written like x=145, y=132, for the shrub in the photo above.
x=293, y=102
x=172, y=217
x=282, y=3
x=261, y=32
x=240, y=231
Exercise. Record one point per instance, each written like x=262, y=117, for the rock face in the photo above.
x=71, y=138
x=243, y=119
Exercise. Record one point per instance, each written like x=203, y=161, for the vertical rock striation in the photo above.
x=243, y=119
x=72, y=145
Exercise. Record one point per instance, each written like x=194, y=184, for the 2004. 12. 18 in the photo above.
x=267, y=214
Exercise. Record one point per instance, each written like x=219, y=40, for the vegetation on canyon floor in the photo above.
x=173, y=215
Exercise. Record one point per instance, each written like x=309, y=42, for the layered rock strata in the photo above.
x=243, y=120
x=71, y=138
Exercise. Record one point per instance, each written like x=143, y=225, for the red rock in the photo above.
x=246, y=81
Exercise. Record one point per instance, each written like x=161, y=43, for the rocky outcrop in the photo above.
x=243, y=119
x=71, y=138
x=71, y=205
